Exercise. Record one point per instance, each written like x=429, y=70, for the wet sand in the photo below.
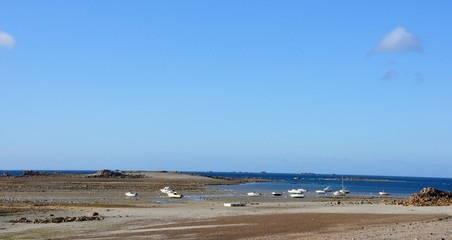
x=152, y=215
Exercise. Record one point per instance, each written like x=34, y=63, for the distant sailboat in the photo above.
x=343, y=191
x=383, y=193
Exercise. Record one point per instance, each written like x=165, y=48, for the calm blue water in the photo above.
x=365, y=186
x=19, y=172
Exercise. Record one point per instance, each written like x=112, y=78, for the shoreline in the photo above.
x=153, y=215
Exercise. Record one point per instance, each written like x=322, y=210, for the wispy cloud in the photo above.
x=398, y=40
x=389, y=75
x=6, y=40
x=418, y=78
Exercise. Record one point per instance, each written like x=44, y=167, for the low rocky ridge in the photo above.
x=428, y=197
x=95, y=217
x=105, y=173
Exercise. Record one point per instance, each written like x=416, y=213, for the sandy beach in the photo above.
x=201, y=214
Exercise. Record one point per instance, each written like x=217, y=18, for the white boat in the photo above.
x=131, y=194
x=253, y=194
x=276, y=193
x=296, y=195
x=324, y=191
x=166, y=190
x=339, y=193
x=174, y=195
x=297, y=191
x=383, y=193
x=235, y=204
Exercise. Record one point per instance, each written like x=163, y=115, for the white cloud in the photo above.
x=389, y=75
x=399, y=40
x=6, y=40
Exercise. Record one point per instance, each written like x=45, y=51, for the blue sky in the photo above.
x=347, y=87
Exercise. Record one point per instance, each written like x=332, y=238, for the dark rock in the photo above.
x=108, y=174
x=114, y=174
x=58, y=219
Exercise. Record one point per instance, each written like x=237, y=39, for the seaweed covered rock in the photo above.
x=105, y=173
x=429, y=197
x=114, y=174
x=31, y=173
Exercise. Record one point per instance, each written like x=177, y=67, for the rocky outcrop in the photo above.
x=429, y=197
x=105, y=173
x=31, y=173
x=52, y=219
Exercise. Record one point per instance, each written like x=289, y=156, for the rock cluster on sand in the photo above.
x=31, y=173
x=429, y=197
x=94, y=217
x=105, y=173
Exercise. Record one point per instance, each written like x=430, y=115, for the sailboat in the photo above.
x=383, y=193
x=343, y=191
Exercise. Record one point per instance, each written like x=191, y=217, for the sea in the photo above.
x=359, y=185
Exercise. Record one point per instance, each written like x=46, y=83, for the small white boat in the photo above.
x=339, y=193
x=297, y=195
x=324, y=191
x=166, y=190
x=235, y=204
x=297, y=191
x=174, y=195
x=131, y=194
x=253, y=194
x=276, y=193
x=383, y=193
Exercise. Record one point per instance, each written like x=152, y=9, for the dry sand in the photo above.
x=153, y=216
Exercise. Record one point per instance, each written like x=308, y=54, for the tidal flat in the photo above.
x=200, y=214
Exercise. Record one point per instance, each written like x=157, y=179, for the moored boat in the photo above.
x=276, y=193
x=339, y=193
x=296, y=195
x=174, y=195
x=343, y=191
x=383, y=193
x=166, y=190
x=253, y=194
x=131, y=194
x=297, y=191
